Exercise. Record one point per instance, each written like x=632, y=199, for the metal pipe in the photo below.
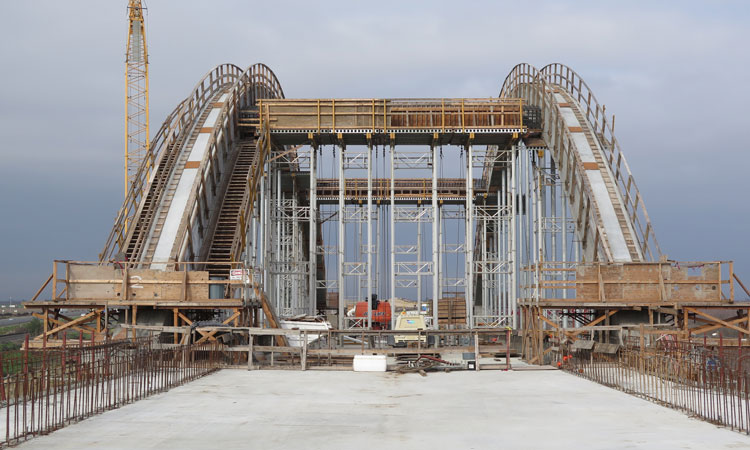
x=393, y=237
x=313, y=234
x=341, y=246
x=436, y=269
x=369, y=236
x=469, y=239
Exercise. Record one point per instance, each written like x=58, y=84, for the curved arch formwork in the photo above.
x=134, y=226
x=610, y=217
x=183, y=221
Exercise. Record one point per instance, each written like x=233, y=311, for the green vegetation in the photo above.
x=33, y=327
x=9, y=346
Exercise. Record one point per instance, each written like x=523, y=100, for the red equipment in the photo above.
x=381, y=314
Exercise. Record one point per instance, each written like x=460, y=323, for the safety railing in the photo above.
x=392, y=115
x=411, y=187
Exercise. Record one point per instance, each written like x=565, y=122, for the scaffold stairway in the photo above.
x=231, y=208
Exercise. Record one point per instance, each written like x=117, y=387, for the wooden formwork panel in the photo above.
x=648, y=282
x=108, y=283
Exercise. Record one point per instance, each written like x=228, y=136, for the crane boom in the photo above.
x=136, y=102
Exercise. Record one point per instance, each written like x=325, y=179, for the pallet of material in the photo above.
x=452, y=311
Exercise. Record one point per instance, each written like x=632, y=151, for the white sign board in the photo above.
x=240, y=274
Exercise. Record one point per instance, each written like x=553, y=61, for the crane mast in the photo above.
x=136, y=103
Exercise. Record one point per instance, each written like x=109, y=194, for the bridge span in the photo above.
x=515, y=211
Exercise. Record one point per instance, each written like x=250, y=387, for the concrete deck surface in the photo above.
x=348, y=410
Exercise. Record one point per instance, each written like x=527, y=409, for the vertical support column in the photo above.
x=538, y=202
x=263, y=230
x=552, y=253
x=435, y=241
x=342, y=225
x=313, y=235
x=393, y=233
x=377, y=251
x=483, y=239
x=564, y=249
x=469, y=237
x=279, y=237
x=419, y=258
x=512, y=242
x=294, y=257
x=502, y=258
x=369, y=236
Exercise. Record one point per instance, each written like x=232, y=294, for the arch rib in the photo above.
x=611, y=219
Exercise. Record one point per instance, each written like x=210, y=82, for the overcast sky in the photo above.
x=674, y=73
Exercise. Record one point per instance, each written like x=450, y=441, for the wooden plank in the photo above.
x=79, y=328
x=160, y=328
x=272, y=319
x=82, y=319
x=211, y=334
x=711, y=326
x=601, y=318
x=279, y=349
x=256, y=331
x=39, y=291
x=719, y=321
x=590, y=166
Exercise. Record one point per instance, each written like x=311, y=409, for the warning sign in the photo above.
x=240, y=274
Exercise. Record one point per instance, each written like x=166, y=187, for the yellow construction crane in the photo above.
x=136, y=102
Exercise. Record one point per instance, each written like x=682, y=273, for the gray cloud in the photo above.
x=672, y=72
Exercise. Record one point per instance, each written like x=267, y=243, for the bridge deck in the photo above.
x=572, y=409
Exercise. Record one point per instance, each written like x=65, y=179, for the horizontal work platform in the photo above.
x=160, y=303
x=392, y=121
x=636, y=305
x=407, y=189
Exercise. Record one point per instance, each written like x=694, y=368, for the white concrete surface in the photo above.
x=615, y=236
x=182, y=195
x=347, y=410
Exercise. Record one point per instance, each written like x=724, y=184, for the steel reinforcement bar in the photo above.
x=47, y=389
x=708, y=382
